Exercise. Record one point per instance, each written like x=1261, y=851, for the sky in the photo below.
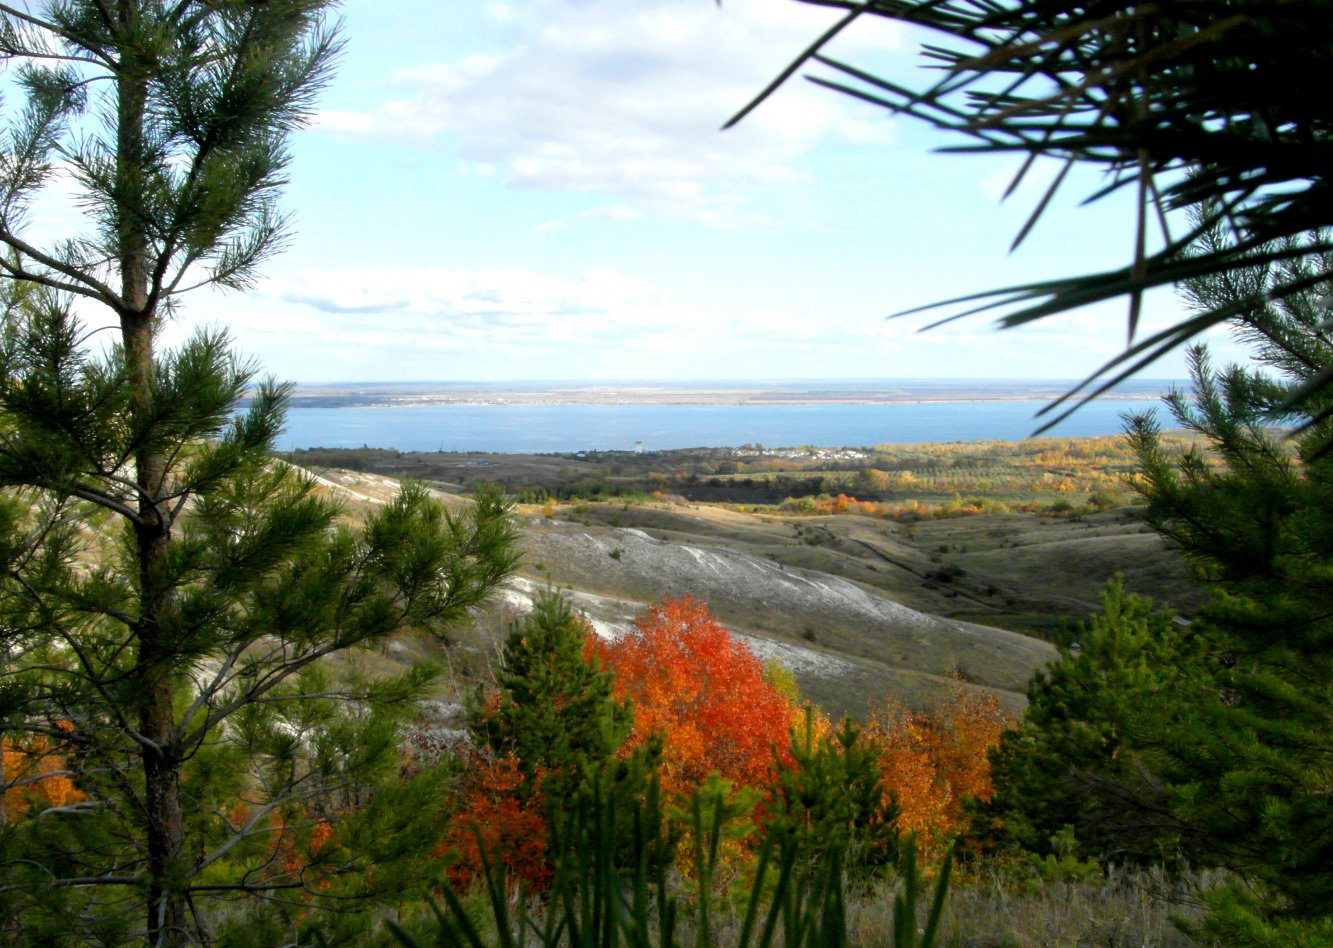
x=539, y=189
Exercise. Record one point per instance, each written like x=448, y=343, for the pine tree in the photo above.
x=1245, y=746
x=168, y=593
x=829, y=797
x=1215, y=735
x=1068, y=761
x=555, y=733
x=554, y=709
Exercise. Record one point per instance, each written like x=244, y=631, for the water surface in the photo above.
x=583, y=427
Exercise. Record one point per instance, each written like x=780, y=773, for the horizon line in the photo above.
x=780, y=380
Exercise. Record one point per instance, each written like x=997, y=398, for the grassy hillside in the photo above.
x=860, y=606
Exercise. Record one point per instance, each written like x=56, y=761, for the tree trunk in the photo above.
x=162, y=814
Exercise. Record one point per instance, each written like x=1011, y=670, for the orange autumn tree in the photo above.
x=934, y=760
x=702, y=690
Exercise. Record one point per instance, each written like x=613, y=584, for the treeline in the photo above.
x=1020, y=474
x=590, y=490
x=904, y=482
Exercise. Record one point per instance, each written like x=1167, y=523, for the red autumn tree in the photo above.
x=691, y=681
x=498, y=821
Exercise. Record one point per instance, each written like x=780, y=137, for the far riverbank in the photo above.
x=717, y=394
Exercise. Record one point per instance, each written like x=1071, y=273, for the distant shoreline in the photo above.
x=926, y=392
x=324, y=401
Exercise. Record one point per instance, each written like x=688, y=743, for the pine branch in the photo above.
x=78, y=281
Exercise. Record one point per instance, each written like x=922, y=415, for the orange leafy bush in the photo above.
x=33, y=773
x=934, y=760
x=704, y=692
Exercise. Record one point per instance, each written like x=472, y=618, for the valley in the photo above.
x=858, y=607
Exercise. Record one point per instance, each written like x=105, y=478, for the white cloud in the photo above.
x=397, y=322
x=613, y=212
x=609, y=98
x=400, y=322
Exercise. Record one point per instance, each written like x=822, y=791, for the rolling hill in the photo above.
x=859, y=609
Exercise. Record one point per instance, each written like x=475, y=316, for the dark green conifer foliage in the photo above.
x=1218, y=734
x=167, y=592
x=1247, y=750
x=830, y=800
x=555, y=707
x=270, y=749
x=555, y=712
x=1075, y=744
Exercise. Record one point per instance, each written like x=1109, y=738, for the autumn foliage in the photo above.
x=33, y=773
x=933, y=760
x=495, y=819
x=708, y=709
x=702, y=690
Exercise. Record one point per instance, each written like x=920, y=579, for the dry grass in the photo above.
x=1126, y=909
x=1135, y=908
